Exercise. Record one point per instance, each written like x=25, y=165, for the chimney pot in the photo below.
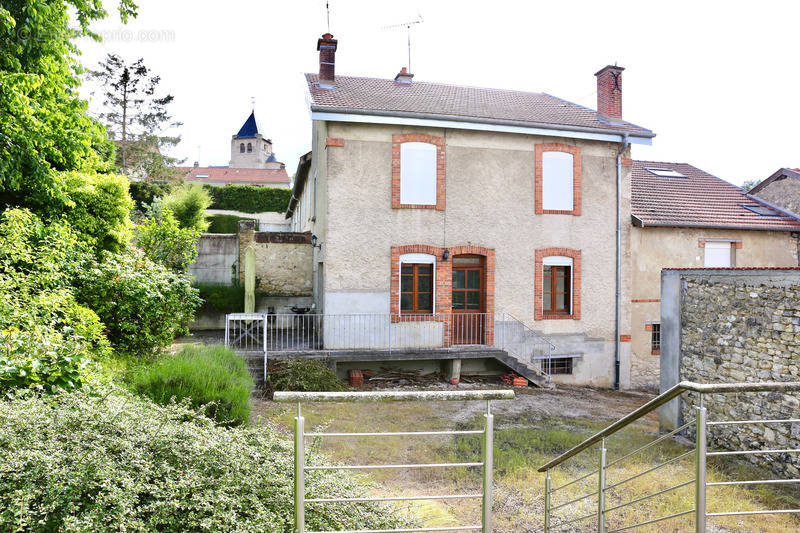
x=327, y=58
x=609, y=92
x=404, y=76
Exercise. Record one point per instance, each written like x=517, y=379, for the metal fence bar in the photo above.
x=562, y=524
x=640, y=474
x=593, y=472
x=299, y=472
x=373, y=467
x=652, y=443
x=742, y=513
x=748, y=422
x=652, y=495
x=393, y=396
x=701, y=443
x=411, y=530
x=756, y=452
x=754, y=482
x=547, y=509
x=396, y=498
x=488, y=460
x=640, y=524
x=398, y=433
x=560, y=505
x=601, y=490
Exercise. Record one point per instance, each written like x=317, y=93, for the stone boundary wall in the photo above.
x=736, y=325
x=284, y=260
x=217, y=258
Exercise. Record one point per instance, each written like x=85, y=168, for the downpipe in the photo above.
x=618, y=300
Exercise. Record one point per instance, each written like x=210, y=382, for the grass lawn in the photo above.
x=529, y=431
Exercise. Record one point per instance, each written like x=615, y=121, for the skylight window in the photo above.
x=202, y=175
x=761, y=210
x=665, y=172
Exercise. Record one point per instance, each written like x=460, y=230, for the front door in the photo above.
x=469, y=299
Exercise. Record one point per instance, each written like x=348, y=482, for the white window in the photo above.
x=557, y=181
x=417, y=284
x=418, y=173
x=717, y=254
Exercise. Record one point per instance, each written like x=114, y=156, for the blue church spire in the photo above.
x=249, y=128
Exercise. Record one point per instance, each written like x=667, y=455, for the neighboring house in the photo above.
x=781, y=190
x=440, y=203
x=252, y=163
x=684, y=217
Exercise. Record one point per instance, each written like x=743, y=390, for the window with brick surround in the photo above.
x=558, y=179
x=557, y=284
x=417, y=171
x=417, y=283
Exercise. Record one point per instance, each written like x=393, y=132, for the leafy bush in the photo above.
x=164, y=241
x=143, y=304
x=42, y=360
x=189, y=204
x=120, y=463
x=143, y=193
x=101, y=213
x=306, y=375
x=212, y=377
x=218, y=298
x=224, y=224
x=249, y=199
x=38, y=263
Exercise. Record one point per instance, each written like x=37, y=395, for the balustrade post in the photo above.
x=547, y=502
x=299, y=473
x=700, y=469
x=488, y=460
x=601, y=490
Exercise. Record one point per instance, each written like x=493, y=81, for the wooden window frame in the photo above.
x=415, y=292
x=538, y=307
x=553, y=293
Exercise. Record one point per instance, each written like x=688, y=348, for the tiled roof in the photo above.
x=455, y=102
x=261, y=176
x=698, y=200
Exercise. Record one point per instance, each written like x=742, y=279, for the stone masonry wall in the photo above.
x=739, y=330
x=283, y=260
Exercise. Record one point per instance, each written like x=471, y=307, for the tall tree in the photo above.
x=44, y=127
x=136, y=118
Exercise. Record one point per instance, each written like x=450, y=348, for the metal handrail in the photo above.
x=665, y=397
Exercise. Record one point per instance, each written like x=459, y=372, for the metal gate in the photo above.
x=300, y=468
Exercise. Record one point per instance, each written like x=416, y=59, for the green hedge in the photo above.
x=115, y=462
x=224, y=223
x=144, y=192
x=249, y=199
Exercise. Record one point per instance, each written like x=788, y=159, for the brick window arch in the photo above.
x=574, y=284
x=542, y=165
x=397, y=170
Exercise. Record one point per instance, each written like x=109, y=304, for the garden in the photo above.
x=102, y=426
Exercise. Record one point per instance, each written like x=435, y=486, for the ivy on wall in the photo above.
x=249, y=199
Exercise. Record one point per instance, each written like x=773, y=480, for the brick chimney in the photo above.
x=404, y=76
x=327, y=58
x=609, y=92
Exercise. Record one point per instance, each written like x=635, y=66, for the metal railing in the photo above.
x=300, y=466
x=262, y=332
x=699, y=426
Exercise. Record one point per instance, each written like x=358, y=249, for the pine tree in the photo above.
x=136, y=118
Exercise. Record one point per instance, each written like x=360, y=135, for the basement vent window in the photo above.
x=665, y=172
x=761, y=210
x=559, y=365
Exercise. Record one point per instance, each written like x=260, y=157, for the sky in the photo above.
x=717, y=81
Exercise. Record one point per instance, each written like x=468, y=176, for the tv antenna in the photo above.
x=407, y=25
x=328, y=14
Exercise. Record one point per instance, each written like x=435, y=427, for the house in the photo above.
x=252, y=162
x=781, y=189
x=484, y=213
x=683, y=217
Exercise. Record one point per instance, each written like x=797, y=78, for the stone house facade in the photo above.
x=429, y=199
x=683, y=217
x=781, y=189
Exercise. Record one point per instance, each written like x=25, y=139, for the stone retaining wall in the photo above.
x=733, y=325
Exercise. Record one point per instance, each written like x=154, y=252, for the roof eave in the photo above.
x=303, y=167
x=701, y=225
x=646, y=134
